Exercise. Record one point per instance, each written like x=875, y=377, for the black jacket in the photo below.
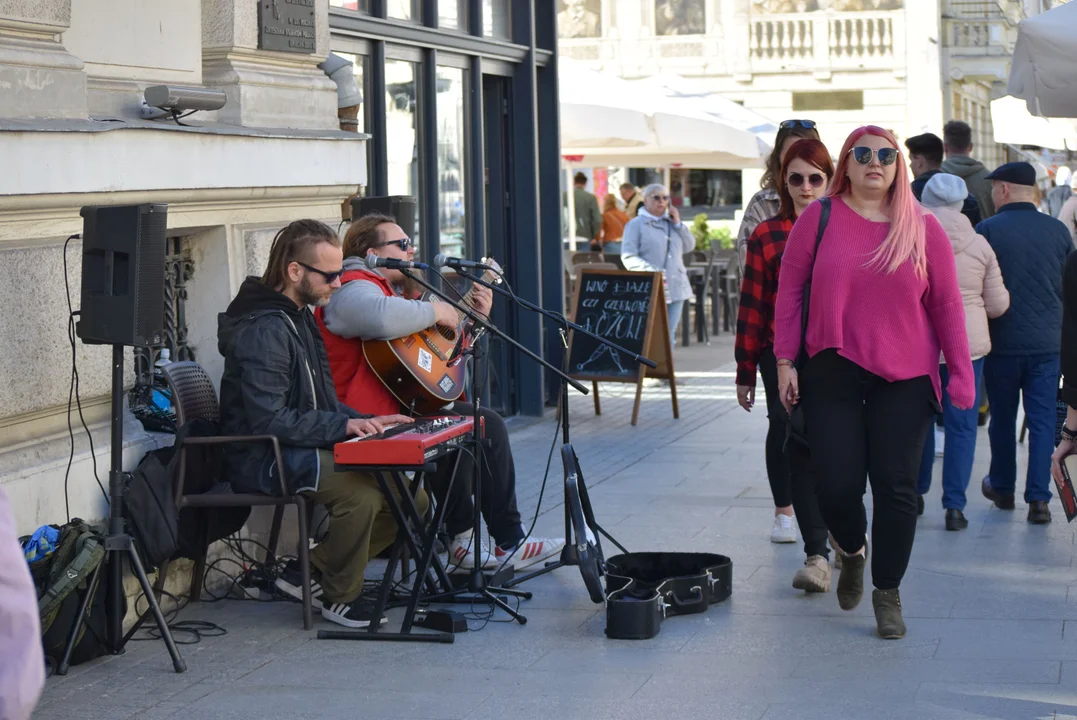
x=1069, y=331
x=971, y=208
x=276, y=381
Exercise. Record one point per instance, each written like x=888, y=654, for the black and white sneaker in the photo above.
x=290, y=581
x=359, y=613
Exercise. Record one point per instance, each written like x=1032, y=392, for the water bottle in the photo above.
x=162, y=400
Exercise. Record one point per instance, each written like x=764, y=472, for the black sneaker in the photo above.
x=359, y=613
x=290, y=582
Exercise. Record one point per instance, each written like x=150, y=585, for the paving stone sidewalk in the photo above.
x=992, y=611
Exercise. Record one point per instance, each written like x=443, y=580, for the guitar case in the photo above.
x=643, y=589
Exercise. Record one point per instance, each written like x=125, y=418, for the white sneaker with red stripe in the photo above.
x=462, y=553
x=532, y=551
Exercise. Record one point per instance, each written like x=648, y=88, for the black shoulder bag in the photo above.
x=796, y=430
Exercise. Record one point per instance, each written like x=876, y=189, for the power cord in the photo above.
x=73, y=394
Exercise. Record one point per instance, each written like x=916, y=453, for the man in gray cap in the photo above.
x=1032, y=248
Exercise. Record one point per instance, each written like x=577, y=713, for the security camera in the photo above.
x=175, y=98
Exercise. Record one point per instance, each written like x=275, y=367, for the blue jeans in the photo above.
x=960, y=428
x=1008, y=377
x=675, y=310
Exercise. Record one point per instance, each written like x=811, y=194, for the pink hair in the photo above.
x=905, y=241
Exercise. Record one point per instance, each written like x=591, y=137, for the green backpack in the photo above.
x=62, y=580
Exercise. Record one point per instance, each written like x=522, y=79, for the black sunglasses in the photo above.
x=796, y=180
x=862, y=154
x=330, y=277
x=790, y=124
x=404, y=244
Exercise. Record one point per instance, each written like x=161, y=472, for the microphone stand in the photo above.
x=477, y=583
x=570, y=554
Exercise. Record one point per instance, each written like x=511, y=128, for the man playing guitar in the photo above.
x=371, y=305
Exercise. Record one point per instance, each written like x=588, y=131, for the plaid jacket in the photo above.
x=758, y=293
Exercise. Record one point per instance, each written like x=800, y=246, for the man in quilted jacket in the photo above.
x=1025, y=342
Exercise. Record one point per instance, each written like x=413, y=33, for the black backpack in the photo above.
x=162, y=532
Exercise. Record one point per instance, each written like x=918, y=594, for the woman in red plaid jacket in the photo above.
x=805, y=174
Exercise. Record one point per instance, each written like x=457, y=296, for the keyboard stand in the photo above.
x=421, y=541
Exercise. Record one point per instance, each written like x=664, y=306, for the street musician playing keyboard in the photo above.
x=277, y=382
x=371, y=306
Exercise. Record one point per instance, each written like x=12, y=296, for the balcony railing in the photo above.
x=823, y=41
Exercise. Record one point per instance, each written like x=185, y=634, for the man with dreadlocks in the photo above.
x=277, y=382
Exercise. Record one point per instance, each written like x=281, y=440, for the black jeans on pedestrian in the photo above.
x=498, y=483
x=861, y=428
x=789, y=470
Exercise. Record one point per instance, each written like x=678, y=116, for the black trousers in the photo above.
x=789, y=468
x=498, y=483
x=860, y=428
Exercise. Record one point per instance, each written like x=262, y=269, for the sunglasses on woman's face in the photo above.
x=790, y=124
x=862, y=154
x=330, y=277
x=796, y=180
x=404, y=244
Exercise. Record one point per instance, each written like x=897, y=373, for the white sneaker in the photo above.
x=534, y=550
x=783, y=530
x=462, y=553
x=940, y=440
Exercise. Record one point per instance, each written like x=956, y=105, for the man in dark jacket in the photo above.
x=277, y=382
x=925, y=160
x=1032, y=249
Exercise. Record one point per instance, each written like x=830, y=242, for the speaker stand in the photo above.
x=117, y=545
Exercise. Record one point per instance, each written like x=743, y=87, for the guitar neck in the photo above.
x=469, y=297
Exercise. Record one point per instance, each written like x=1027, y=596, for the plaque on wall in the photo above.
x=286, y=25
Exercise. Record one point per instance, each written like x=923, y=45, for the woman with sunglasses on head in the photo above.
x=884, y=300
x=765, y=203
x=804, y=176
x=376, y=304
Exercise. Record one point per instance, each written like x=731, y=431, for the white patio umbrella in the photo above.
x=1015, y=125
x=1043, y=72
x=598, y=109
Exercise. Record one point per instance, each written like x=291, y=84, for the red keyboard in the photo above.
x=409, y=444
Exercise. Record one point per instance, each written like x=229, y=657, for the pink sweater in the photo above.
x=892, y=324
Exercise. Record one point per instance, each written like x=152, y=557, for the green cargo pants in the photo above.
x=360, y=526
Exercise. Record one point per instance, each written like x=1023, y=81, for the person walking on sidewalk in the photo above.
x=804, y=176
x=884, y=298
x=957, y=144
x=1032, y=248
x=984, y=296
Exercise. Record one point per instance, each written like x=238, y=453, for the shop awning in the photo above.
x=1015, y=125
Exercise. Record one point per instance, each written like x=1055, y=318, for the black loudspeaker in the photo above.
x=123, y=274
x=402, y=207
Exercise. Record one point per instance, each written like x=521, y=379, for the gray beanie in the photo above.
x=945, y=190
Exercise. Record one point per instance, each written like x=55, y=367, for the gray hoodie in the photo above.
x=362, y=310
x=975, y=175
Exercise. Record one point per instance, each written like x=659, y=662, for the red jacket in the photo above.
x=357, y=385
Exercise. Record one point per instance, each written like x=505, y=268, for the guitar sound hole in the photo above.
x=447, y=333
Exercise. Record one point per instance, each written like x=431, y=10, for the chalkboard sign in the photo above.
x=629, y=309
x=615, y=307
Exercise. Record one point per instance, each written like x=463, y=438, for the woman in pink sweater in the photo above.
x=884, y=301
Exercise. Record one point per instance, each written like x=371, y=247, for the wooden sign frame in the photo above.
x=656, y=342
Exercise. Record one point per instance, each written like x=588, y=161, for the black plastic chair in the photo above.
x=194, y=398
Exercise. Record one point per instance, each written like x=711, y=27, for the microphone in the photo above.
x=373, y=261
x=441, y=260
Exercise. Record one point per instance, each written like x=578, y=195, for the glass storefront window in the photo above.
x=399, y=9
x=360, y=5
x=496, y=20
x=358, y=66
x=451, y=14
x=401, y=129
x=451, y=161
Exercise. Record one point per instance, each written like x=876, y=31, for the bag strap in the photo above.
x=824, y=218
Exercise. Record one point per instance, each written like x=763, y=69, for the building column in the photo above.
x=268, y=88
x=40, y=78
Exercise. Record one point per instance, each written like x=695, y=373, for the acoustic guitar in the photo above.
x=425, y=370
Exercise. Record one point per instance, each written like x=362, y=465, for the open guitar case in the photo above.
x=641, y=589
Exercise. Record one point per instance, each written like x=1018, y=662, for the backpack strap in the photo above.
x=824, y=218
x=89, y=552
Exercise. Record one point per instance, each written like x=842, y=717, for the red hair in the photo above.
x=905, y=241
x=812, y=152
